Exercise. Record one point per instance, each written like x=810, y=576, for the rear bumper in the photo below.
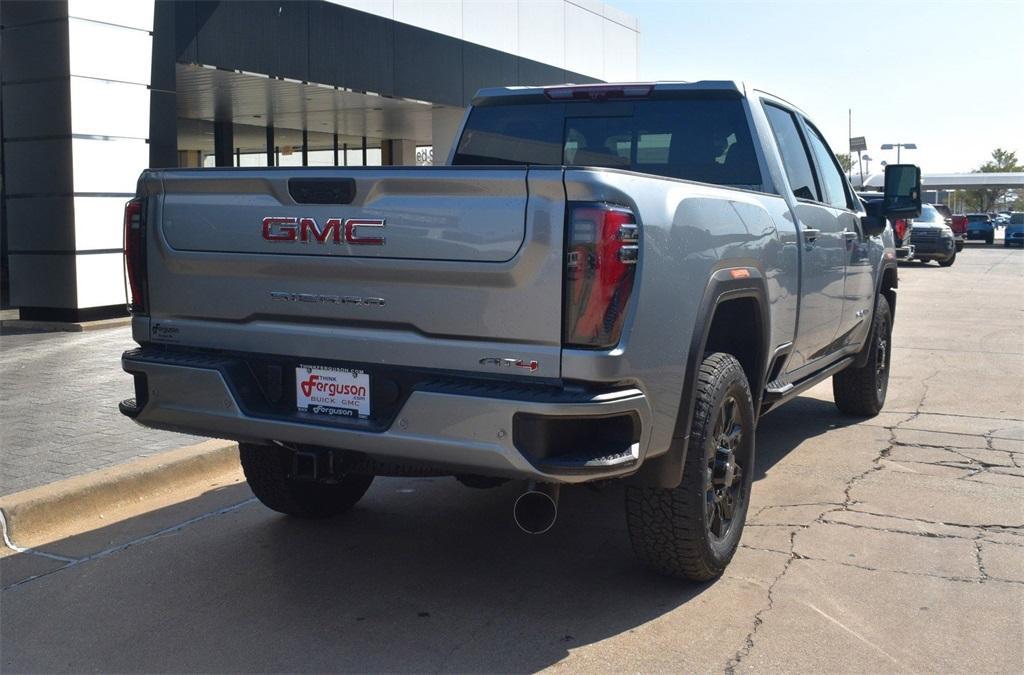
x=486, y=427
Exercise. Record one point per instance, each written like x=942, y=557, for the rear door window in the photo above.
x=794, y=154
x=701, y=139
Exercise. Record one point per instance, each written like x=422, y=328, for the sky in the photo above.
x=946, y=75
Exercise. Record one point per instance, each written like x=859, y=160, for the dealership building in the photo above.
x=94, y=91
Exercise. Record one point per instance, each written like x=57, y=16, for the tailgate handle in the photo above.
x=322, y=190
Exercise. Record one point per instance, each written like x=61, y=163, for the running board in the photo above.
x=774, y=398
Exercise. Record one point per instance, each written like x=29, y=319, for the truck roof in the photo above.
x=604, y=90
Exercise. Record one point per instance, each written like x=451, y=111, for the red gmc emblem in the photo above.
x=306, y=230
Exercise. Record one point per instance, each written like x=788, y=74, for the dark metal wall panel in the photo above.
x=351, y=49
x=37, y=167
x=164, y=47
x=428, y=65
x=330, y=44
x=41, y=224
x=163, y=114
x=485, y=67
x=163, y=129
x=262, y=37
x=185, y=28
x=535, y=73
x=33, y=109
x=22, y=50
x=43, y=280
x=22, y=12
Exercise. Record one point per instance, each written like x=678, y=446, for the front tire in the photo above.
x=861, y=391
x=989, y=239
x=948, y=262
x=692, y=531
x=267, y=469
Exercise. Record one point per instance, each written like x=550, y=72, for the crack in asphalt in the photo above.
x=748, y=642
x=878, y=463
x=758, y=621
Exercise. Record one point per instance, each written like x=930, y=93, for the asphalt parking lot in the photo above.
x=892, y=544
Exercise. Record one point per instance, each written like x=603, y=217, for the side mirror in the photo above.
x=873, y=222
x=902, y=197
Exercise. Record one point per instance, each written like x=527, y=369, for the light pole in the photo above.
x=899, y=146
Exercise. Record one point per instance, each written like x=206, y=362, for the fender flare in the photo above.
x=666, y=471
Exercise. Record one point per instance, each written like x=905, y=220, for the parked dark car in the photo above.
x=981, y=226
x=931, y=237
x=1014, y=234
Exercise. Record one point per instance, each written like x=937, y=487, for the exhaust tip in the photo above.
x=535, y=511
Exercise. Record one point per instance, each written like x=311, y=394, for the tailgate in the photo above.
x=448, y=268
x=405, y=213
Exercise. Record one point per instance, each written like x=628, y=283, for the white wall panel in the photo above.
x=584, y=38
x=593, y=6
x=440, y=16
x=130, y=13
x=100, y=279
x=567, y=34
x=109, y=52
x=613, y=13
x=384, y=8
x=99, y=222
x=106, y=108
x=620, y=47
x=542, y=31
x=490, y=24
x=108, y=166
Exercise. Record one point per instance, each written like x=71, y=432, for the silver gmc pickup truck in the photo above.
x=604, y=282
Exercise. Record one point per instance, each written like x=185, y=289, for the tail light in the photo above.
x=135, y=255
x=900, y=228
x=601, y=257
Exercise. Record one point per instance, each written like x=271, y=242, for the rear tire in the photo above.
x=267, y=469
x=692, y=531
x=861, y=391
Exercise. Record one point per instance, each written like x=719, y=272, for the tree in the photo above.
x=845, y=161
x=982, y=201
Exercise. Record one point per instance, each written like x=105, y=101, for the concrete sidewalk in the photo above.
x=58, y=408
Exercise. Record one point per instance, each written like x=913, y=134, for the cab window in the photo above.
x=828, y=168
x=794, y=155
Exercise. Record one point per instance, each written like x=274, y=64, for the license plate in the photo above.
x=332, y=391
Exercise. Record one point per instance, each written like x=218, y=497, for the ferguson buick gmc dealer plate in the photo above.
x=332, y=391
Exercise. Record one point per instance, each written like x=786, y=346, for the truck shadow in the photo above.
x=424, y=575
x=798, y=421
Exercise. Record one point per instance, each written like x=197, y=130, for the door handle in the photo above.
x=850, y=234
x=810, y=234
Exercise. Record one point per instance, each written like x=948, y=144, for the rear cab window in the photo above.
x=705, y=138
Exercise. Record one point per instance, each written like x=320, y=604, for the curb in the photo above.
x=30, y=326
x=33, y=512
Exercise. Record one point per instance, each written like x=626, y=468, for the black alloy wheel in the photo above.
x=724, y=491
